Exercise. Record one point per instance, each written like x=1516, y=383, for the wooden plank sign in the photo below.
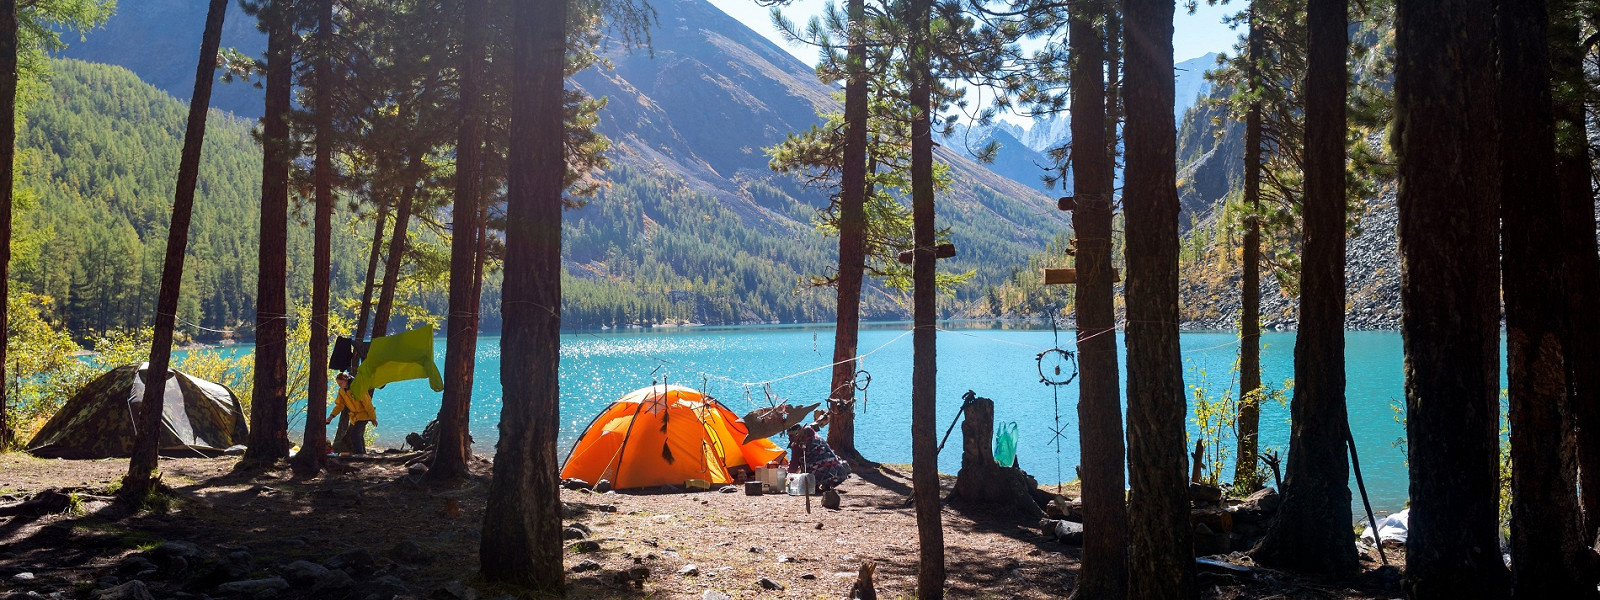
x=1060, y=276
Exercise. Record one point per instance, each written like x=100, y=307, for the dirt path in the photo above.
x=395, y=537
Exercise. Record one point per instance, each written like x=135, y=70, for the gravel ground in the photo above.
x=425, y=540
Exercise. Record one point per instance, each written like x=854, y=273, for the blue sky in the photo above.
x=1193, y=35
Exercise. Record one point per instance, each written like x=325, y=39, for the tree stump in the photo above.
x=981, y=480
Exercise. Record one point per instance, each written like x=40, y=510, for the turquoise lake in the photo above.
x=730, y=362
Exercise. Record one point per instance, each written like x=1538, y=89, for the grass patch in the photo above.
x=76, y=506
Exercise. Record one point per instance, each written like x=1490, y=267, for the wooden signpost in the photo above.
x=1069, y=276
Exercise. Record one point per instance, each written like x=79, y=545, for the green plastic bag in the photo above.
x=1005, y=444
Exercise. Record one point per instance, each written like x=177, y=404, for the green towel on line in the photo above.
x=399, y=357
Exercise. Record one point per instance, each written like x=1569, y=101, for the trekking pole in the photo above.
x=966, y=399
x=1355, y=463
x=805, y=473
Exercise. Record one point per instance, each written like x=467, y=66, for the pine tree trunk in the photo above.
x=372, y=273
x=1161, y=559
x=1245, y=473
x=269, y=410
x=852, y=247
x=397, y=248
x=522, y=523
x=1546, y=525
x=147, y=436
x=1113, y=36
x=1582, y=258
x=8, y=151
x=1312, y=531
x=314, y=446
x=481, y=256
x=1445, y=132
x=924, y=362
x=461, y=337
x=1104, y=572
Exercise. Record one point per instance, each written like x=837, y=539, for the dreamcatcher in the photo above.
x=1057, y=367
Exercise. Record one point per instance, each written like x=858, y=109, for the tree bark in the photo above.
x=8, y=152
x=924, y=362
x=147, y=436
x=1312, y=531
x=1582, y=258
x=314, y=445
x=372, y=273
x=522, y=523
x=397, y=248
x=1445, y=135
x=1245, y=470
x=269, y=409
x=1546, y=525
x=979, y=473
x=481, y=257
x=1104, y=572
x=852, y=245
x=1161, y=558
x=461, y=337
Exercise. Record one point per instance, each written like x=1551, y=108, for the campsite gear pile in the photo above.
x=771, y=477
x=666, y=435
x=198, y=417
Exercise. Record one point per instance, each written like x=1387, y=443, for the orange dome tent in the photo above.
x=665, y=435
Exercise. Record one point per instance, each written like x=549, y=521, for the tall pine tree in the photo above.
x=269, y=408
x=461, y=325
x=522, y=522
x=147, y=435
x=1105, y=511
x=1445, y=135
x=1160, y=557
x=1546, y=548
x=1312, y=531
x=924, y=298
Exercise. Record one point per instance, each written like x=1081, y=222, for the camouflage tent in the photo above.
x=199, y=418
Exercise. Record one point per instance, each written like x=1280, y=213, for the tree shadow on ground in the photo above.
x=880, y=477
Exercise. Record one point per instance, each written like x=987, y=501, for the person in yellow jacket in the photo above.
x=361, y=413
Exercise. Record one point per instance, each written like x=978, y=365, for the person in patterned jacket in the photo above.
x=809, y=453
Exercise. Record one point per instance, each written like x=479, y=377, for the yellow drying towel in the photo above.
x=399, y=357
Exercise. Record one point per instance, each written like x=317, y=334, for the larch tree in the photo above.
x=147, y=435
x=14, y=52
x=1160, y=553
x=269, y=409
x=1245, y=473
x=413, y=170
x=1445, y=135
x=1546, y=525
x=1580, y=256
x=313, y=447
x=8, y=151
x=1104, y=573
x=1312, y=531
x=375, y=252
x=522, y=523
x=461, y=325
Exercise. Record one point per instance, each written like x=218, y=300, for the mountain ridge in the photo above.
x=690, y=224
